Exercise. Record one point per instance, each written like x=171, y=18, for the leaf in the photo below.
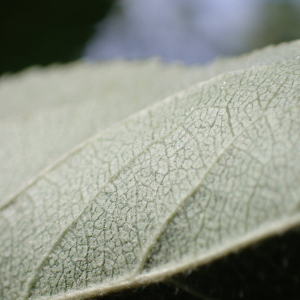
x=194, y=177
x=67, y=101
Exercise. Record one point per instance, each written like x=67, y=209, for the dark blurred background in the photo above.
x=40, y=32
x=45, y=31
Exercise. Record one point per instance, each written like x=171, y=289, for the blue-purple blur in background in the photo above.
x=192, y=31
x=42, y=32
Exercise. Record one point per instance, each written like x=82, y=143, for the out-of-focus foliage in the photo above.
x=41, y=32
x=280, y=23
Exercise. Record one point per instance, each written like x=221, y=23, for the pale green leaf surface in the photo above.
x=197, y=175
x=46, y=113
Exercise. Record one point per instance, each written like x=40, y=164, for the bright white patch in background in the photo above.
x=192, y=31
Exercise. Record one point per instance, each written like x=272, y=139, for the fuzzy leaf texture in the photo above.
x=105, y=186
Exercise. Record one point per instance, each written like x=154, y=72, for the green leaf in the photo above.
x=101, y=203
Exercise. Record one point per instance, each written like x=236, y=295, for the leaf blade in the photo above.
x=154, y=155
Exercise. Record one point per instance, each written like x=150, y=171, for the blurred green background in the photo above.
x=40, y=32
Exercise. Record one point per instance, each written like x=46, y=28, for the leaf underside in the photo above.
x=267, y=270
x=97, y=207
